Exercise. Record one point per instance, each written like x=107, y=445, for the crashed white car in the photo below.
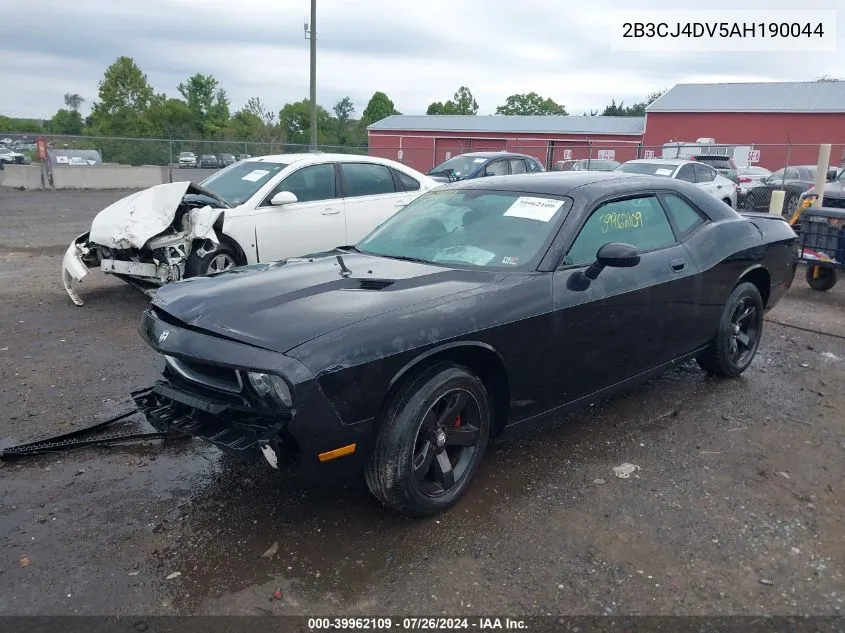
x=261, y=209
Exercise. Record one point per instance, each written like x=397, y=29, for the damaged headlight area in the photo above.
x=270, y=385
x=146, y=238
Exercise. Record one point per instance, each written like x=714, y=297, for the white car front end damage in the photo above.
x=144, y=238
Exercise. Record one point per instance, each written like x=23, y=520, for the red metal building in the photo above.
x=785, y=121
x=422, y=142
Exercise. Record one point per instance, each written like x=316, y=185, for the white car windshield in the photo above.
x=238, y=182
x=461, y=165
x=470, y=227
x=652, y=169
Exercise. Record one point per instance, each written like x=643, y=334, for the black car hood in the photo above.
x=281, y=305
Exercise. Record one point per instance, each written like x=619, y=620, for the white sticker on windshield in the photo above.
x=542, y=209
x=663, y=172
x=255, y=175
x=479, y=160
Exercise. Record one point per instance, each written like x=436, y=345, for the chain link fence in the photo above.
x=157, y=151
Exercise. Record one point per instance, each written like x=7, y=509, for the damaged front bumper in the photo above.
x=156, y=262
x=205, y=394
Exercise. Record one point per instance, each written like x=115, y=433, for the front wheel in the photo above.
x=215, y=261
x=821, y=278
x=432, y=437
x=738, y=337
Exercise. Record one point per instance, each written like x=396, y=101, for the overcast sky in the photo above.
x=417, y=51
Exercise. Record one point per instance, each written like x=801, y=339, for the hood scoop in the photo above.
x=375, y=284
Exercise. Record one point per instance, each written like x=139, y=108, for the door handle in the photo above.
x=678, y=265
x=400, y=203
x=331, y=211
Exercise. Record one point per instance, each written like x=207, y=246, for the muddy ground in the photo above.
x=738, y=506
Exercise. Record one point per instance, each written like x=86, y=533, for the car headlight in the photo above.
x=272, y=385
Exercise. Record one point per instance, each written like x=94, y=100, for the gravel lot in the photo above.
x=738, y=507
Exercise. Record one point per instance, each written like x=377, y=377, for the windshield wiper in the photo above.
x=404, y=258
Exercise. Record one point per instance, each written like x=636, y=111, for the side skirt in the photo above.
x=528, y=423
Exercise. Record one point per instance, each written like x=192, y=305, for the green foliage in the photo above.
x=73, y=101
x=461, y=103
x=295, y=119
x=21, y=126
x=530, y=104
x=125, y=101
x=66, y=122
x=638, y=109
x=208, y=102
x=379, y=107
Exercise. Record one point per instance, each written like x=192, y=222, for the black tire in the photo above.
x=738, y=337
x=825, y=281
x=419, y=439
x=212, y=261
x=727, y=201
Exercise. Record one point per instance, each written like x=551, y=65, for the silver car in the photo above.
x=704, y=176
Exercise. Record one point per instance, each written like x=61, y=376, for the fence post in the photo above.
x=776, y=202
x=821, y=173
x=170, y=147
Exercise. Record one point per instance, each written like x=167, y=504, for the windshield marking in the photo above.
x=541, y=209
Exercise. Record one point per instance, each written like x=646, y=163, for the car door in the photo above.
x=517, y=166
x=371, y=197
x=497, y=168
x=705, y=178
x=628, y=320
x=685, y=172
x=314, y=223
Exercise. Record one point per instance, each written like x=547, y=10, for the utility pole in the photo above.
x=311, y=33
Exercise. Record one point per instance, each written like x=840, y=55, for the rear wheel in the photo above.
x=430, y=441
x=738, y=337
x=821, y=278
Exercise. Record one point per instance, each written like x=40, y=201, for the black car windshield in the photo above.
x=461, y=165
x=469, y=227
x=238, y=182
x=652, y=169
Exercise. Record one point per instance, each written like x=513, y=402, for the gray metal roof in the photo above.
x=499, y=124
x=791, y=96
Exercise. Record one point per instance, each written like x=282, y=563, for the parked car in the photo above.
x=209, y=161
x=793, y=181
x=262, y=209
x=187, y=159
x=703, y=176
x=480, y=164
x=587, y=164
x=8, y=157
x=244, y=156
x=227, y=159
x=725, y=165
x=749, y=177
x=401, y=357
x=834, y=190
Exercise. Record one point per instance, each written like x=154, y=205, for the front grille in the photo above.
x=213, y=376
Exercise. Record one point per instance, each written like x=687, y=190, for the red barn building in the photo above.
x=785, y=121
x=422, y=142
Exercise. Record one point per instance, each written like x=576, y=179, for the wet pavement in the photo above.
x=738, y=506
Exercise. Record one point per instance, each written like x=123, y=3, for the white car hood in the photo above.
x=132, y=221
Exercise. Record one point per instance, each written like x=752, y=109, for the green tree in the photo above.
x=295, y=120
x=21, y=126
x=343, y=110
x=125, y=101
x=378, y=107
x=208, y=101
x=530, y=104
x=172, y=118
x=638, y=109
x=255, y=122
x=73, y=101
x=66, y=122
x=461, y=103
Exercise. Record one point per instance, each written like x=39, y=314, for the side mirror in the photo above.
x=831, y=175
x=611, y=255
x=283, y=197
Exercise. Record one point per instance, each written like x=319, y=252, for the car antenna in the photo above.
x=344, y=271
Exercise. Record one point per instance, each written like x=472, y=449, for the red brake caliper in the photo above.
x=457, y=421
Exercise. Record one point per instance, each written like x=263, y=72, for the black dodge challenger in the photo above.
x=482, y=305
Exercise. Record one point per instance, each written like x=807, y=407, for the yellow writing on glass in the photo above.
x=622, y=220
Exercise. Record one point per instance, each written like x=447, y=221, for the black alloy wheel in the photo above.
x=431, y=438
x=738, y=336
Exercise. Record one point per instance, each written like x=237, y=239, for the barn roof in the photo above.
x=787, y=96
x=598, y=125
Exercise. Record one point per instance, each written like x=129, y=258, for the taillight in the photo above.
x=745, y=180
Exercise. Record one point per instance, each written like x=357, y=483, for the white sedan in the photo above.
x=700, y=174
x=259, y=209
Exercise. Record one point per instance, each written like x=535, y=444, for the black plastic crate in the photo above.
x=822, y=235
